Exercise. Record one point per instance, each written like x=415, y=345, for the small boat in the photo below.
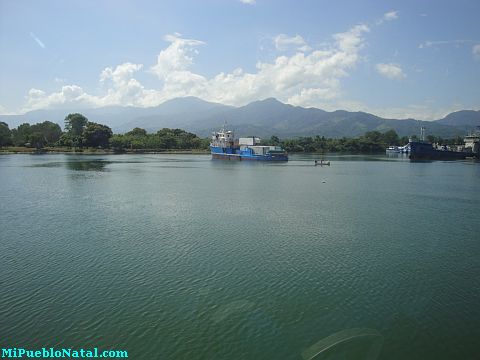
x=393, y=150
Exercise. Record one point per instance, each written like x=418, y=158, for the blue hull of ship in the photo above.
x=240, y=155
x=425, y=151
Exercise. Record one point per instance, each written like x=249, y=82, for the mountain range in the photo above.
x=262, y=118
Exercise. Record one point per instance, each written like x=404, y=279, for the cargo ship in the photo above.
x=423, y=150
x=224, y=146
x=420, y=150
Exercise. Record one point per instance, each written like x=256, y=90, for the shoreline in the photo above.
x=67, y=151
x=90, y=151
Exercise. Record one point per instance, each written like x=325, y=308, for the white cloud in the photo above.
x=390, y=71
x=389, y=16
x=476, y=51
x=37, y=40
x=301, y=79
x=457, y=43
x=248, y=2
x=177, y=56
x=392, y=15
x=284, y=42
x=121, y=74
x=68, y=95
x=123, y=88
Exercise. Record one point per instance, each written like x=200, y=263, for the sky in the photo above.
x=397, y=59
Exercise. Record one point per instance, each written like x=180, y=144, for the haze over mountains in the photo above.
x=260, y=118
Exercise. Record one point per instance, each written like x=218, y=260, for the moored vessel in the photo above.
x=423, y=150
x=420, y=150
x=224, y=146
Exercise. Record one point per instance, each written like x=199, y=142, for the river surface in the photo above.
x=182, y=257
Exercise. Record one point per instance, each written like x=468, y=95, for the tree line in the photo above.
x=164, y=139
x=80, y=133
x=370, y=142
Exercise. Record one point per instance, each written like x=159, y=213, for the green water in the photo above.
x=181, y=257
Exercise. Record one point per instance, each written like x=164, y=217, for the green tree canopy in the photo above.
x=38, y=135
x=137, y=132
x=96, y=135
x=274, y=140
x=50, y=131
x=37, y=139
x=391, y=138
x=20, y=135
x=75, y=124
x=5, y=134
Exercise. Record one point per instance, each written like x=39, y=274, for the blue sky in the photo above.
x=395, y=59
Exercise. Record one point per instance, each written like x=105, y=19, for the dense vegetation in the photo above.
x=36, y=135
x=165, y=139
x=370, y=142
x=81, y=133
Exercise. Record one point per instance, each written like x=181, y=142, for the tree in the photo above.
x=75, y=124
x=21, y=134
x=391, y=137
x=5, y=134
x=65, y=140
x=37, y=139
x=274, y=140
x=118, y=142
x=137, y=132
x=96, y=135
x=49, y=130
x=374, y=136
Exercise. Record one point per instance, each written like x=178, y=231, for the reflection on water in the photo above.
x=78, y=165
x=94, y=165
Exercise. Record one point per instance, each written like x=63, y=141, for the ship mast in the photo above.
x=422, y=133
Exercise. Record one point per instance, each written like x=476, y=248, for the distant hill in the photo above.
x=464, y=119
x=261, y=118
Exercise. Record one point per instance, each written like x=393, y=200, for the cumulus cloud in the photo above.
x=121, y=74
x=476, y=51
x=178, y=56
x=248, y=2
x=390, y=71
x=300, y=79
x=68, y=95
x=284, y=42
